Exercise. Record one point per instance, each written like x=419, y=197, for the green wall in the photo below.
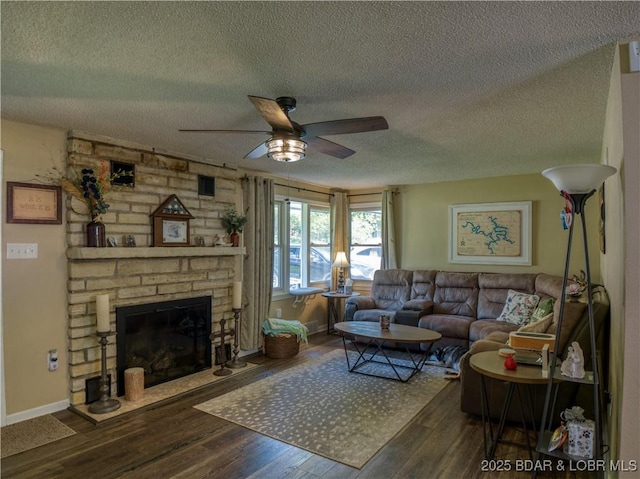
x=422, y=213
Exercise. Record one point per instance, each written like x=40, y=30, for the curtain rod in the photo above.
x=304, y=189
x=394, y=191
x=366, y=194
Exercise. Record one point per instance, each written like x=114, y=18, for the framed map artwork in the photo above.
x=490, y=233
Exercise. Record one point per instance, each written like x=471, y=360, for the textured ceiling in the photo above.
x=469, y=89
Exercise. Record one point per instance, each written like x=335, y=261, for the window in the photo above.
x=365, y=251
x=301, y=234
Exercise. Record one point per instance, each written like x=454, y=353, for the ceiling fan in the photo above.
x=289, y=140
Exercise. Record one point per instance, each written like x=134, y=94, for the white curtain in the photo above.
x=388, y=232
x=339, y=231
x=258, y=264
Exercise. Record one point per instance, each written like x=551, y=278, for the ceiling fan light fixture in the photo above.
x=286, y=149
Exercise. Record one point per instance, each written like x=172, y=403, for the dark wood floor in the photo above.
x=174, y=440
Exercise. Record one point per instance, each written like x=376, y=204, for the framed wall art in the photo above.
x=34, y=204
x=171, y=223
x=490, y=233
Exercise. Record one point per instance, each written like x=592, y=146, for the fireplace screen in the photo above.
x=168, y=339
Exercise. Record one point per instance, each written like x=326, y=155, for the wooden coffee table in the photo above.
x=373, y=352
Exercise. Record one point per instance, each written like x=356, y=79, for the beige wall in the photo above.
x=613, y=260
x=629, y=397
x=422, y=217
x=621, y=264
x=34, y=290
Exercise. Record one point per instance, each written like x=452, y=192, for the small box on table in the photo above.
x=525, y=340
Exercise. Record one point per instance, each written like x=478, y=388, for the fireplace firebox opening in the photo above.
x=168, y=339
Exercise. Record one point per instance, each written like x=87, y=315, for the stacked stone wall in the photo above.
x=146, y=274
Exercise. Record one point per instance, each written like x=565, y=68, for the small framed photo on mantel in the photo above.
x=171, y=223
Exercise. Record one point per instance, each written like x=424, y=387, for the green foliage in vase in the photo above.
x=233, y=221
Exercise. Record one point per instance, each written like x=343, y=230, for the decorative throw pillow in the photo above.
x=544, y=308
x=518, y=307
x=539, y=326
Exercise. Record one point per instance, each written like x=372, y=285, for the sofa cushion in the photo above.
x=361, y=302
x=539, y=326
x=501, y=337
x=450, y=326
x=545, y=306
x=391, y=288
x=456, y=294
x=423, y=285
x=418, y=305
x=482, y=328
x=518, y=307
x=572, y=314
x=493, y=342
x=549, y=286
x=494, y=288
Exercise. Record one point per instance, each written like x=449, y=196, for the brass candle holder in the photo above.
x=236, y=363
x=105, y=404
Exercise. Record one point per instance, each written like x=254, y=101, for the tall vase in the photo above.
x=235, y=238
x=95, y=234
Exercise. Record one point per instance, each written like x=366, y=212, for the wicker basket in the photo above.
x=281, y=346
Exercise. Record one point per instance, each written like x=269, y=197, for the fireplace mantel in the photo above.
x=92, y=254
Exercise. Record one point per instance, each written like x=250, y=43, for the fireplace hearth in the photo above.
x=167, y=339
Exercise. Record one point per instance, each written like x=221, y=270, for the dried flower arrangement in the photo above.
x=88, y=186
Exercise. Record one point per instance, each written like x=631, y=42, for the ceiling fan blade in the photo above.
x=272, y=113
x=350, y=125
x=329, y=147
x=257, y=152
x=226, y=131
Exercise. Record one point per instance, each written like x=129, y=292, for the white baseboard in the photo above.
x=37, y=411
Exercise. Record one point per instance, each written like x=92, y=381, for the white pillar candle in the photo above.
x=237, y=295
x=102, y=312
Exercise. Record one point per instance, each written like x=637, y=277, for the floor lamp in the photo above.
x=577, y=183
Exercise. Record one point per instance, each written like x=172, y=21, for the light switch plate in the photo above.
x=22, y=250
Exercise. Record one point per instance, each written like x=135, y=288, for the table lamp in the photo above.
x=340, y=263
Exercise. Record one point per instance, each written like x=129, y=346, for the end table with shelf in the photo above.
x=334, y=307
x=489, y=364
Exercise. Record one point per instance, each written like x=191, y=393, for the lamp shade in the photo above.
x=341, y=260
x=580, y=178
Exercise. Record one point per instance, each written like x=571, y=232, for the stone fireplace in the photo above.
x=143, y=274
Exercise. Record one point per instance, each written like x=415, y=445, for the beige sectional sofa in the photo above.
x=464, y=308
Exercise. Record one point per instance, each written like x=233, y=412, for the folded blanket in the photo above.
x=275, y=326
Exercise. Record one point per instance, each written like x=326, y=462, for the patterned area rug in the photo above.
x=321, y=407
x=31, y=433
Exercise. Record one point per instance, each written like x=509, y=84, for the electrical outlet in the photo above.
x=278, y=313
x=22, y=250
x=52, y=359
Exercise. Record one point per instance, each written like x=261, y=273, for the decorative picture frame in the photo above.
x=491, y=233
x=29, y=203
x=175, y=231
x=171, y=223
